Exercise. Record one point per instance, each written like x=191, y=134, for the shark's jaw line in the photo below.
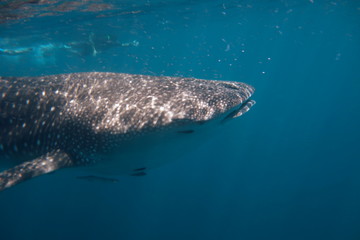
x=240, y=110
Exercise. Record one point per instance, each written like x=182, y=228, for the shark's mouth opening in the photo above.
x=244, y=107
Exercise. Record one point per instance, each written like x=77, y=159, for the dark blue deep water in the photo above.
x=288, y=169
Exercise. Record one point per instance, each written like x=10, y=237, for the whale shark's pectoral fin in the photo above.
x=45, y=164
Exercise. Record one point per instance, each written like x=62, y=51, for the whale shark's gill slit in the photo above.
x=186, y=131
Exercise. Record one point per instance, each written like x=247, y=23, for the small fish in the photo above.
x=92, y=178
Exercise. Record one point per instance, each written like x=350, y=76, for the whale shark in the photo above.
x=108, y=123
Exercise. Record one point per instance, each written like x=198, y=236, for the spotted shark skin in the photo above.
x=82, y=119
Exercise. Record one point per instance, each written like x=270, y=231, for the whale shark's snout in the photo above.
x=241, y=99
x=223, y=99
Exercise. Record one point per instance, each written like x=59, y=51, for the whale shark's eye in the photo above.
x=186, y=131
x=230, y=86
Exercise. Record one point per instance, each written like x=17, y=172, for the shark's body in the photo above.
x=111, y=123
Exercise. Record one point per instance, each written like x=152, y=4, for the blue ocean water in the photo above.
x=288, y=169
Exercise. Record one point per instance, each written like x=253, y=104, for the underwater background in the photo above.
x=287, y=169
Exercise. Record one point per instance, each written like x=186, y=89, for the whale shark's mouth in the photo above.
x=244, y=107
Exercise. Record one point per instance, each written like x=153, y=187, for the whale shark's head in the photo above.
x=216, y=100
x=138, y=103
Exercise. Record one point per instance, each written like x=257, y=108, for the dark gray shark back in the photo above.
x=69, y=118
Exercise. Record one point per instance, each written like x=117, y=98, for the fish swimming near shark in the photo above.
x=108, y=123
